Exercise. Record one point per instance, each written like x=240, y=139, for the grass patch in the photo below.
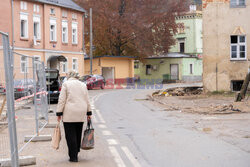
x=222, y=93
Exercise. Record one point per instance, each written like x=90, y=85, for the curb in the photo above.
x=23, y=161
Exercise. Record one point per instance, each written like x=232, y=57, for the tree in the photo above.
x=133, y=27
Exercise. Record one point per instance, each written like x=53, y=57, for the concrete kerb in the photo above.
x=23, y=161
x=40, y=138
x=48, y=125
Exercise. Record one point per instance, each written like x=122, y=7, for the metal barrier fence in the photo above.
x=23, y=85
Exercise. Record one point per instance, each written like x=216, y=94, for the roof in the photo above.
x=63, y=3
x=87, y=57
x=172, y=55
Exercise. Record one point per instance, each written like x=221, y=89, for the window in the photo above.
x=37, y=62
x=238, y=47
x=237, y=3
x=191, y=68
x=148, y=69
x=64, y=14
x=52, y=30
x=24, y=25
x=24, y=64
x=65, y=67
x=74, y=33
x=23, y=5
x=181, y=28
x=182, y=47
x=136, y=65
x=74, y=64
x=64, y=31
x=181, y=42
x=36, y=8
x=74, y=16
x=52, y=11
x=236, y=85
x=37, y=29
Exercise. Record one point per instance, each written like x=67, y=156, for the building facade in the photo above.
x=189, y=36
x=184, y=62
x=49, y=30
x=115, y=69
x=226, y=31
x=170, y=68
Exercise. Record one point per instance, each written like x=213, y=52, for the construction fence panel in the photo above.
x=25, y=93
x=4, y=133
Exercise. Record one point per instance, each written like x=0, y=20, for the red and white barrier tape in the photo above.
x=27, y=97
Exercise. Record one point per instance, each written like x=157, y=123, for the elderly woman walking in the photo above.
x=73, y=108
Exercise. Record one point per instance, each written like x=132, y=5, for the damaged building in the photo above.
x=226, y=32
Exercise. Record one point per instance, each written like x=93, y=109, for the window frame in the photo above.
x=52, y=11
x=74, y=16
x=36, y=63
x=66, y=66
x=237, y=4
x=64, y=14
x=36, y=19
x=65, y=25
x=24, y=17
x=149, y=70
x=23, y=5
x=74, y=58
x=26, y=62
x=53, y=22
x=191, y=70
x=75, y=27
x=238, y=44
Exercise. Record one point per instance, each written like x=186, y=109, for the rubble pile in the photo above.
x=181, y=91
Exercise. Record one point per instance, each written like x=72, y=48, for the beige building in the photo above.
x=226, y=36
x=49, y=30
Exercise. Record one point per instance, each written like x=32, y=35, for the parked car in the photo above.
x=53, y=84
x=94, y=81
x=2, y=89
x=23, y=87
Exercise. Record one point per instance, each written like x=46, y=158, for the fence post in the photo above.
x=8, y=68
x=35, y=96
x=45, y=96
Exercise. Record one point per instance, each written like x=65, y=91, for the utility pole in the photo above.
x=91, y=40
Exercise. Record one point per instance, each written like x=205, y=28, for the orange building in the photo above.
x=115, y=69
x=46, y=29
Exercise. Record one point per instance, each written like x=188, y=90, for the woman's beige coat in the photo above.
x=73, y=101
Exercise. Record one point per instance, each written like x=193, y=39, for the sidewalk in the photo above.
x=47, y=156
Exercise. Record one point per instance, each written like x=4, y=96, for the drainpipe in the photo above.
x=12, y=20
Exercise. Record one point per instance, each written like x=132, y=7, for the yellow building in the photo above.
x=116, y=69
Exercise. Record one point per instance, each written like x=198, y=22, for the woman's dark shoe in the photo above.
x=73, y=160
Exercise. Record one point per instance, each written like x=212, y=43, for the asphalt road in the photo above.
x=139, y=133
x=132, y=132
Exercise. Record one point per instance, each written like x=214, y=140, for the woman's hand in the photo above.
x=59, y=118
x=89, y=117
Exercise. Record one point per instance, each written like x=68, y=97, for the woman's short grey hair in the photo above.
x=73, y=74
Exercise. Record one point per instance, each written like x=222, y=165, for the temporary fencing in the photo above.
x=23, y=85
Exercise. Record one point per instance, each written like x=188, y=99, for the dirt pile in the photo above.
x=181, y=91
x=193, y=100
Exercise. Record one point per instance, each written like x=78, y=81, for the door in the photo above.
x=108, y=74
x=174, y=71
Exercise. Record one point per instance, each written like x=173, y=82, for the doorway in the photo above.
x=109, y=74
x=174, y=71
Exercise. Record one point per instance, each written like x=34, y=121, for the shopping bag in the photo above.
x=56, y=137
x=88, y=137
